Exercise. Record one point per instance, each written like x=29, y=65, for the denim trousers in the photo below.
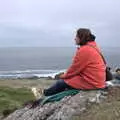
x=59, y=86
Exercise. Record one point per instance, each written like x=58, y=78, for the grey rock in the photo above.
x=66, y=108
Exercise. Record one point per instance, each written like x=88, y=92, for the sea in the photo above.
x=29, y=62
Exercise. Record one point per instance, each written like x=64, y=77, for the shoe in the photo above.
x=38, y=93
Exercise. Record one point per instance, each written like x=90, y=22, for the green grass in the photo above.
x=13, y=98
x=15, y=92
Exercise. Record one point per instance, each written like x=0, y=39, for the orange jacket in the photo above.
x=87, y=70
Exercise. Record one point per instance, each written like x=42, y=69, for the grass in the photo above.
x=27, y=83
x=14, y=93
x=13, y=98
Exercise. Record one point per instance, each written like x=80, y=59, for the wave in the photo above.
x=29, y=74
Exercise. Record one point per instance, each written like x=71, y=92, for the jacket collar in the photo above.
x=91, y=43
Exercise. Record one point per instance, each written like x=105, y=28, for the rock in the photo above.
x=68, y=106
x=1, y=117
x=8, y=111
x=62, y=110
x=117, y=70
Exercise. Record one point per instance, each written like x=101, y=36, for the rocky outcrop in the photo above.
x=68, y=107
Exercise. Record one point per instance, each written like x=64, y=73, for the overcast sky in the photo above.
x=54, y=22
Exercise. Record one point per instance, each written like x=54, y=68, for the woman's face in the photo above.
x=77, y=40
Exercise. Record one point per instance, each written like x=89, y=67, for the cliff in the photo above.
x=75, y=107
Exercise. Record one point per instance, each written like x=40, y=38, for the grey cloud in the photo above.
x=53, y=23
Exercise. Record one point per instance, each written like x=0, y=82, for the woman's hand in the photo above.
x=62, y=76
x=59, y=76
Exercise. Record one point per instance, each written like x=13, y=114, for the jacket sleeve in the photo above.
x=79, y=62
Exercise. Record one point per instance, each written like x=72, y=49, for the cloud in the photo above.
x=53, y=23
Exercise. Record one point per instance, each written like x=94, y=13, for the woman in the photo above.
x=87, y=70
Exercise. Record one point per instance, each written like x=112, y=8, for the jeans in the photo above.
x=59, y=86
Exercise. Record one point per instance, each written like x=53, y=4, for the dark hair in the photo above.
x=85, y=35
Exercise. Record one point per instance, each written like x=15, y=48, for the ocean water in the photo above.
x=43, y=61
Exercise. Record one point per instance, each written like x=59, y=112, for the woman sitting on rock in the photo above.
x=87, y=70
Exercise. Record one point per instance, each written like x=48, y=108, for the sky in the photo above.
x=53, y=23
